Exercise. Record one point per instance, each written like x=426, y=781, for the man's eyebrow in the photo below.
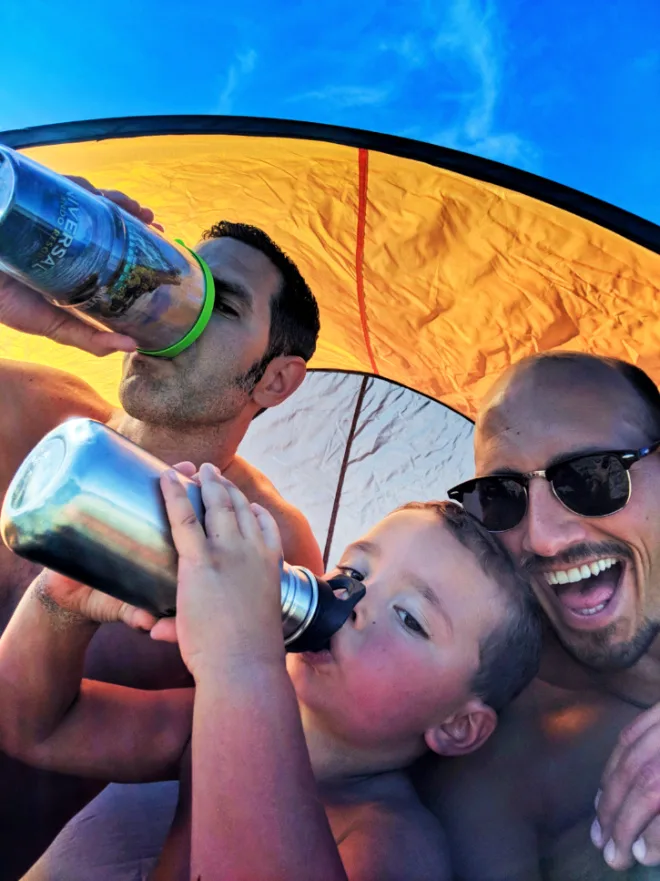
x=235, y=289
x=426, y=592
x=593, y=450
x=582, y=451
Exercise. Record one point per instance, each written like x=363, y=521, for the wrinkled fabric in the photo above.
x=403, y=447
x=426, y=277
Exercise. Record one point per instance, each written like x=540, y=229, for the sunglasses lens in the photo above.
x=592, y=486
x=498, y=502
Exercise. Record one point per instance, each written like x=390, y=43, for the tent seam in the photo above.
x=363, y=185
x=343, y=470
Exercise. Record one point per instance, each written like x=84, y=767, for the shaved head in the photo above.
x=543, y=383
x=550, y=408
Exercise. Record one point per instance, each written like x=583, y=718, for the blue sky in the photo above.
x=568, y=89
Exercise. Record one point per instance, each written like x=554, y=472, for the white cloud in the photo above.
x=243, y=65
x=460, y=43
x=346, y=96
x=507, y=147
x=470, y=38
x=409, y=47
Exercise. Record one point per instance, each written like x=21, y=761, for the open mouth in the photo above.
x=319, y=658
x=586, y=593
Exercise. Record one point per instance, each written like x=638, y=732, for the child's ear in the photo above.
x=465, y=731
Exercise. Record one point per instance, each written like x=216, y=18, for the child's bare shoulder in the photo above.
x=384, y=833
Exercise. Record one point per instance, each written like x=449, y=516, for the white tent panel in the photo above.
x=358, y=446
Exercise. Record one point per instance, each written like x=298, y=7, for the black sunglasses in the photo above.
x=593, y=485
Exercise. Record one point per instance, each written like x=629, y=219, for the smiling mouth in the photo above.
x=586, y=591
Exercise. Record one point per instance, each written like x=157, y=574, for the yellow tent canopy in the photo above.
x=433, y=269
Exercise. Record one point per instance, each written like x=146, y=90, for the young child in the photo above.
x=296, y=760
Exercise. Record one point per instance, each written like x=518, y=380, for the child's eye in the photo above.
x=352, y=573
x=410, y=623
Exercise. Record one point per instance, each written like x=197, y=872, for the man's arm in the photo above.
x=51, y=718
x=299, y=545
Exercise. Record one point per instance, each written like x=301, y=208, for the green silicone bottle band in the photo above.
x=203, y=318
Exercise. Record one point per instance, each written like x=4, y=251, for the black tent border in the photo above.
x=366, y=374
x=618, y=220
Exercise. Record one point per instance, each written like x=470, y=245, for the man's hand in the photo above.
x=628, y=806
x=25, y=310
x=228, y=594
x=61, y=594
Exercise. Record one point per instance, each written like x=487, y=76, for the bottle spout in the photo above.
x=332, y=612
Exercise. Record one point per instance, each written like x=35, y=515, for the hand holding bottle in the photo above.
x=23, y=309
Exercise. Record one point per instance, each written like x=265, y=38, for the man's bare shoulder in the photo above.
x=34, y=395
x=300, y=546
x=384, y=832
x=43, y=381
x=536, y=776
x=35, y=399
x=530, y=733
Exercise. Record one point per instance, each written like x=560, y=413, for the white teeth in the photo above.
x=594, y=611
x=559, y=576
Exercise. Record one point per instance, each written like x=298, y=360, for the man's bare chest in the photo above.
x=577, y=743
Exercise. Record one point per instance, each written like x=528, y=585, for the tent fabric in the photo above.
x=348, y=449
x=433, y=274
x=427, y=277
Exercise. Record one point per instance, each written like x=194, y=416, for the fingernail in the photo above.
x=170, y=475
x=208, y=470
x=639, y=850
x=597, y=799
x=610, y=853
x=596, y=834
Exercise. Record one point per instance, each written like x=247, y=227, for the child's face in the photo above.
x=406, y=659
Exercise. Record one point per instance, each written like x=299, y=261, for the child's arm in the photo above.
x=52, y=718
x=255, y=807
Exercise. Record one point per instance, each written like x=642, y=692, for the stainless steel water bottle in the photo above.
x=86, y=502
x=88, y=256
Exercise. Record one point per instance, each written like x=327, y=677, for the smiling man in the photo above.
x=569, y=478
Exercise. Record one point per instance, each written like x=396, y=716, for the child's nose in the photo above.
x=364, y=613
